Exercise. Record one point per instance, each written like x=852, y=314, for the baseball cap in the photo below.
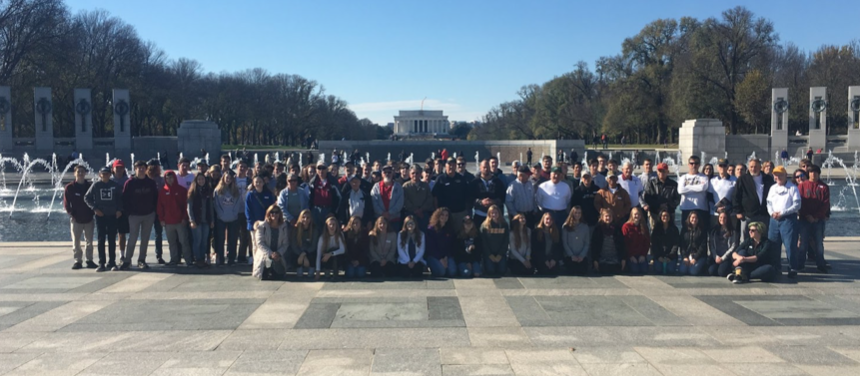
x=611, y=174
x=722, y=162
x=778, y=170
x=118, y=163
x=663, y=166
x=104, y=170
x=555, y=169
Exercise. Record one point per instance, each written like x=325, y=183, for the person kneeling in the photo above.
x=547, y=247
x=607, y=246
x=410, y=249
x=271, y=243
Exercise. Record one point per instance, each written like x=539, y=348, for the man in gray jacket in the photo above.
x=520, y=197
x=105, y=198
x=387, y=198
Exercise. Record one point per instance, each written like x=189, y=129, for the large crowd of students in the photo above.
x=391, y=219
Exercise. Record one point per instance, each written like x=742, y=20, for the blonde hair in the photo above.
x=300, y=230
x=519, y=230
x=489, y=218
x=553, y=230
x=326, y=235
x=222, y=186
x=374, y=233
x=571, y=221
x=643, y=227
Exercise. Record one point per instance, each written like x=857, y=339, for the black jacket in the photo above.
x=583, y=196
x=768, y=252
x=658, y=193
x=745, y=200
x=539, y=254
x=494, y=189
x=460, y=254
x=694, y=242
x=665, y=243
x=333, y=191
x=343, y=209
x=597, y=243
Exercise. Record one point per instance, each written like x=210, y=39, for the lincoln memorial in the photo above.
x=420, y=122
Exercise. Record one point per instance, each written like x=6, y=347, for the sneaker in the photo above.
x=142, y=265
x=91, y=265
x=731, y=277
x=792, y=274
x=737, y=281
x=173, y=263
x=101, y=268
x=77, y=266
x=111, y=265
x=161, y=261
x=125, y=266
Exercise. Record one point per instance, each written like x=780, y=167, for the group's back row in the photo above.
x=395, y=219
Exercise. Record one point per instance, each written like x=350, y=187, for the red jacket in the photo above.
x=172, y=202
x=635, y=240
x=814, y=199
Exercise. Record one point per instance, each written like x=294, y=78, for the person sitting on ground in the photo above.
x=757, y=257
x=607, y=246
x=383, y=250
x=329, y=249
x=272, y=240
x=519, y=262
x=303, y=244
x=357, y=248
x=636, y=241
x=410, y=249
x=494, y=242
x=468, y=250
x=722, y=243
x=576, y=239
x=694, y=247
x=547, y=247
x=665, y=243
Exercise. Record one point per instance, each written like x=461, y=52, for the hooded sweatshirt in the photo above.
x=172, y=200
x=227, y=206
x=106, y=197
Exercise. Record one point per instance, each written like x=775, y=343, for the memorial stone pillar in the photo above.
x=83, y=119
x=818, y=118
x=6, y=141
x=854, y=117
x=43, y=109
x=779, y=121
x=121, y=122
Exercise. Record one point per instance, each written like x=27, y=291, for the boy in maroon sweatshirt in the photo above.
x=80, y=216
x=139, y=199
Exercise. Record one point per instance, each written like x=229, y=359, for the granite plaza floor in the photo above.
x=167, y=321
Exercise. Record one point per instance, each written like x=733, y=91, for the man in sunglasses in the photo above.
x=693, y=188
x=449, y=192
x=461, y=169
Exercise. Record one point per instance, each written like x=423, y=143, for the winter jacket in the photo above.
x=172, y=202
x=395, y=203
x=461, y=252
x=539, y=240
x=659, y=193
x=767, y=252
x=357, y=247
x=74, y=203
x=283, y=201
x=583, y=195
x=665, y=242
x=694, y=243
x=308, y=242
x=417, y=196
x=618, y=202
x=228, y=207
x=745, y=199
x=367, y=216
x=493, y=189
x=814, y=199
x=256, y=204
x=719, y=245
x=598, y=236
x=440, y=243
x=264, y=247
x=332, y=189
x=200, y=207
x=635, y=240
x=106, y=197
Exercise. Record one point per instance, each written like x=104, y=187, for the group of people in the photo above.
x=396, y=220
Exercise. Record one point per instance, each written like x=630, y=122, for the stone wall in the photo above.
x=196, y=135
x=740, y=147
x=508, y=150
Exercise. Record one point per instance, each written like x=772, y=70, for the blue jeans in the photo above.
x=495, y=268
x=785, y=232
x=307, y=272
x=437, y=270
x=812, y=239
x=699, y=268
x=355, y=271
x=671, y=267
x=469, y=269
x=637, y=267
x=200, y=241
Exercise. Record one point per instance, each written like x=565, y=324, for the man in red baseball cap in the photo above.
x=661, y=193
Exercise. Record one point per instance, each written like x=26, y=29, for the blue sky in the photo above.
x=464, y=56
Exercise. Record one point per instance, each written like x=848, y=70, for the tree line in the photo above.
x=674, y=70
x=43, y=44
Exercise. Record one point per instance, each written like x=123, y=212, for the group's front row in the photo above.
x=452, y=247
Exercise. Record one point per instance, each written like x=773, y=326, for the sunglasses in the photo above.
x=753, y=230
x=694, y=163
x=800, y=176
x=461, y=164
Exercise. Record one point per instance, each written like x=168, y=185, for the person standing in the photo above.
x=324, y=195
x=80, y=217
x=554, y=196
x=583, y=196
x=520, y=197
x=140, y=197
x=417, y=199
x=648, y=172
x=661, y=193
x=783, y=204
x=257, y=201
x=153, y=171
x=185, y=176
x=172, y=211
x=448, y=192
x=105, y=199
x=749, y=202
x=201, y=216
x=529, y=155
x=228, y=204
x=387, y=197
x=293, y=200
x=485, y=191
x=722, y=188
x=814, y=213
x=613, y=198
x=631, y=183
x=693, y=188
x=120, y=177
x=597, y=177
x=243, y=182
